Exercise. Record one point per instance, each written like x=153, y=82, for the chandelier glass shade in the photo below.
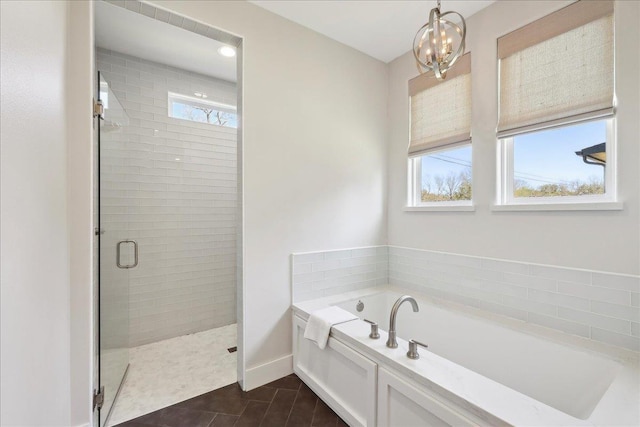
x=433, y=45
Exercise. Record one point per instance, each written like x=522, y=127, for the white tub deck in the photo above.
x=502, y=369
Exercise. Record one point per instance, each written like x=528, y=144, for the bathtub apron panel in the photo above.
x=344, y=379
x=401, y=404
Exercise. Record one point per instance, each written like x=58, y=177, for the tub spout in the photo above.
x=392, y=342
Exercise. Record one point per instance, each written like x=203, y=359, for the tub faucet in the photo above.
x=392, y=342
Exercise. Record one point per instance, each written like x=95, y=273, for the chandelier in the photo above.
x=433, y=44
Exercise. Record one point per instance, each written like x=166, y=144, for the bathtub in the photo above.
x=479, y=369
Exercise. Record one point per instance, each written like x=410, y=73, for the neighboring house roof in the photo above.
x=594, y=155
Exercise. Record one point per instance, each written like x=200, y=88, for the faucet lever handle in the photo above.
x=419, y=343
x=374, y=329
x=413, y=349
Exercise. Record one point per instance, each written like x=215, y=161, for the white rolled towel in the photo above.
x=320, y=323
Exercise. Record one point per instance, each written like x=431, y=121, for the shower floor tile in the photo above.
x=171, y=371
x=287, y=402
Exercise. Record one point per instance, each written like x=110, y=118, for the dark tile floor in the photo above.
x=286, y=402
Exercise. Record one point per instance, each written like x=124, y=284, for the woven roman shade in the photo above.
x=441, y=110
x=558, y=69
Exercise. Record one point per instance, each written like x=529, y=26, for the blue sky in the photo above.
x=442, y=163
x=550, y=155
x=539, y=158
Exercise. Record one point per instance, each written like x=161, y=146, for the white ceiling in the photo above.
x=383, y=29
x=134, y=34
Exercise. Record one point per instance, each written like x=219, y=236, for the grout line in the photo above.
x=313, y=417
x=269, y=407
x=240, y=416
x=245, y=407
x=212, y=420
x=293, y=404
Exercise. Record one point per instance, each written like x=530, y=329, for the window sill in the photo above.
x=587, y=206
x=440, y=208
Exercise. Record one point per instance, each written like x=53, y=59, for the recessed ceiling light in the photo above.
x=227, y=51
x=200, y=94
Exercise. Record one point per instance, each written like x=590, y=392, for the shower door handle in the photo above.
x=135, y=254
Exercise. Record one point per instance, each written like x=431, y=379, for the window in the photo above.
x=201, y=110
x=556, y=115
x=440, y=146
x=442, y=176
x=568, y=164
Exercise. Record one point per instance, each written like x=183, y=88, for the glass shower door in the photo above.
x=118, y=253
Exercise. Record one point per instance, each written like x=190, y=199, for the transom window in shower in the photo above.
x=198, y=109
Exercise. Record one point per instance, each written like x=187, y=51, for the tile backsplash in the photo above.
x=597, y=305
x=318, y=274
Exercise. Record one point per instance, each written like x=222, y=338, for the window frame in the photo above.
x=198, y=102
x=414, y=184
x=505, y=182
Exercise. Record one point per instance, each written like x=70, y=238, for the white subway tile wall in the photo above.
x=171, y=184
x=596, y=305
x=319, y=274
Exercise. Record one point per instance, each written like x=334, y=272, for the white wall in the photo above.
x=35, y=307
x=80, y=77
x=608, y=241
x=314, y=156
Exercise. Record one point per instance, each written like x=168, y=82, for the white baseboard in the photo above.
x=271, y=371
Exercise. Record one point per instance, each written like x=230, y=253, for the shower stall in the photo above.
x=168, y=211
